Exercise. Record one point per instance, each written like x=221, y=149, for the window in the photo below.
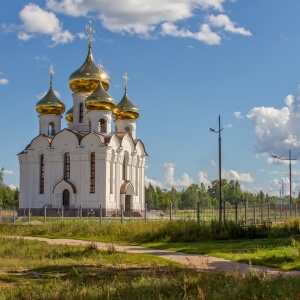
x=42, y=174
x=124, y=169
x=51, y=129
x=93, y=173
x=128, y=130
x=67, y=165
x=102, y=126
x=81, y=113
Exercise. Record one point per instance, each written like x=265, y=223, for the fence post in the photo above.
x=296, y=210
x=145, y=216
x=80, y=212
x=261, y=213
x=224, y=212
x=62, y=212
x=29, y=214
x=0, y=213
x=286, y=212
x=198, y=214
x=236, y=212
x=246, y=217
x=121, y=213
x=171, y=207
x=269, y=212
x=254, y=214
x=14, y=214
x=100, y=214
x=45, y=213
x=280, y=213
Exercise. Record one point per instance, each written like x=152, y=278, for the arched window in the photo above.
x=93, y=173
x=124, y=168
x=42, y=174
x=51, y=129
x=66, y=198
x=67, y=165
x=102, y=126
x=128, y=129
x=81, y=113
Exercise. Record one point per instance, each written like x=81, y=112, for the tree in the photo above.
x=190, y=197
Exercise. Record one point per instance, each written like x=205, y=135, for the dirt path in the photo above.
x=195, y=261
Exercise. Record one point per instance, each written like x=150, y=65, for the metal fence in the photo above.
x=241, y=213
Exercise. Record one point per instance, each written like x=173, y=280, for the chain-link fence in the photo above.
x=241, y=213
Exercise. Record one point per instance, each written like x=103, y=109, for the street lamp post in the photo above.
x=220, y=168
x=290, y=174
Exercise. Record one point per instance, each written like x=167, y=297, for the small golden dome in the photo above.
x=99, y=100
x=125, y=110
x=50, y=104
x=86, y=78
x=69, y=115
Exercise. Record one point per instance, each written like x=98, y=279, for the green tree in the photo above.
x=189, y=197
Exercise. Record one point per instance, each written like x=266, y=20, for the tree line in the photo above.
x=157, y=198
x=8, y=197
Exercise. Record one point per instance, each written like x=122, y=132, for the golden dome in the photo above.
x=99, y=100
x=125, y=110
x=69, y=115
x=50, y=104
x=86, y=78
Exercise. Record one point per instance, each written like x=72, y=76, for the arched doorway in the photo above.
x=66, y=198
x=127, y=202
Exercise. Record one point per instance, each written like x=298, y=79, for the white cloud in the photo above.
x=204, y=34
x=228, y=25
x=12, y=187
x=37, y=21
x=234, y=175
x=184, y=182
x=8, y=172
x=145, y=17
x=3, y=81
x=203, y=178
x=154, y=182
x=277, y=130
x=238, y=115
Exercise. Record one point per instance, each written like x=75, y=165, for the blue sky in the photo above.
x=187, y=61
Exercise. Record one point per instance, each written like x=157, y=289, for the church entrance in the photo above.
x=66, y=198
x=127, y=202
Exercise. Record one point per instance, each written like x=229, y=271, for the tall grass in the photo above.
x=138, y=231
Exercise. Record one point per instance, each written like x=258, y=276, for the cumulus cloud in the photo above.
x=276, y=130
x=12, y=187
x=228, y=25
x=184, y=182
x=3, y=81
x=234, y=175
x=146, y=18
x=36, y=21
x=154, y=182
x=238, y=115
x=203, y=178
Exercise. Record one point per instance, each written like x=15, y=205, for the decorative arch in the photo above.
x=64, y=184
x=51, y=129
x=127, y=188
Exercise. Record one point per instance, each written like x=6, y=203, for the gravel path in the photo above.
x=195, y=261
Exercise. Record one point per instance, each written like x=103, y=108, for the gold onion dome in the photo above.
x=87, y=77
x=125, y=110
x=50, y=104
x=99, y=100
x=69, y=115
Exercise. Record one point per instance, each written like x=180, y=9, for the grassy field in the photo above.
x=35, y=270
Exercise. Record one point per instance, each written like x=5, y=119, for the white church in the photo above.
x=89, y=164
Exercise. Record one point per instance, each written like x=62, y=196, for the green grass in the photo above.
x=36, y=270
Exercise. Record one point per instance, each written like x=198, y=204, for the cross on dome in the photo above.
x=90, y=31
x=125, y=78
x=51, y=72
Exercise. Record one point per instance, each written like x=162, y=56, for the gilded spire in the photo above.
x=125, y=110
x=50, y=104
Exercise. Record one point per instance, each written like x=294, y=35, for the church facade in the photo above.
x=87, y=165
